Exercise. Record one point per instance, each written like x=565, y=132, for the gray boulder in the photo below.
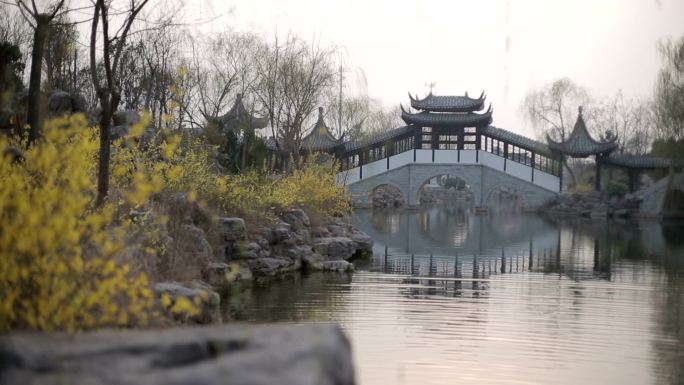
x=296, y=218
x=229, y=354
x=362, y=241
x=59, y=103
x=270, y=266
x=194, y=243
x=335, y=247
x=232, y=229
x=221, y=275
x=317, y=262
x=198, y=292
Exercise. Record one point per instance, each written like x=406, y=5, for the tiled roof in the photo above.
x=429, y=119
x=379, y=138
x=320, y=138
x=238, y=117
x=637, y=161
x=448, y=103
x=580, y=144
x=516, y=139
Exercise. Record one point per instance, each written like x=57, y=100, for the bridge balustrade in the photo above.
x=466, y=146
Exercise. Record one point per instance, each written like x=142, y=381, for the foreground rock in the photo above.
x=234, y=354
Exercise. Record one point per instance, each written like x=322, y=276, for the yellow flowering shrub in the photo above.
x=59, y=254
x=57, y=265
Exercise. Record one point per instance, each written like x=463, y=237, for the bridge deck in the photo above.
x=457, y=157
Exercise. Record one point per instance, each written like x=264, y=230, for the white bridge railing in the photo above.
x=462, y=157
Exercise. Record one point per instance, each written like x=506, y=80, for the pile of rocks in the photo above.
x=594, y=205
x=217, y=253
x=289, y=245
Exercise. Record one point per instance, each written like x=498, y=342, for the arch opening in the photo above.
x=504, y=198
x=447, y=190
x=387, y=196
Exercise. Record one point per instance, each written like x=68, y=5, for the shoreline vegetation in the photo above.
x=171, y=216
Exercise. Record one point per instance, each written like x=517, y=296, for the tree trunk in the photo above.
x=104, y=154
x=33, y=114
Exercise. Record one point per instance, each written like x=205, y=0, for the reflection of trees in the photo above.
x=670, y=309
x=504, y=199
x=445, y=225
x=385, y=221
x=281, y=299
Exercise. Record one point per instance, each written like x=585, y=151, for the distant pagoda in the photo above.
x=238, y=118
x=447, y=111
x=580, y=144
x=320, y=139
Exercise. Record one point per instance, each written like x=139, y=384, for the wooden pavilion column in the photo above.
x=597, y=182
x=632, y=179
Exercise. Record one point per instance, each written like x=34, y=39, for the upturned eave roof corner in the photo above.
x=239, y=117
x=580, y=143
x=320, y=138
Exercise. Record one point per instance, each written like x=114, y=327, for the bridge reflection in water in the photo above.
x=449, y=250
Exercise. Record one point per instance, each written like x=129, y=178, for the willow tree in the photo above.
x=293, y=77
x=669, y=93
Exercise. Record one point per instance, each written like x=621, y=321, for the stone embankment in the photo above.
x=593, y=205
x=241, y=254
x=232, y=354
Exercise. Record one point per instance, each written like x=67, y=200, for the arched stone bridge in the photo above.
x=445, y=135
x=484, y=172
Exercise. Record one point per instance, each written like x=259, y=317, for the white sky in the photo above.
x=604, y=45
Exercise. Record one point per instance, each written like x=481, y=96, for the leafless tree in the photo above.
x=351, y=118
x=552, y=111
x=39, y=20
x=294, y=76
x=382, y=119
x=552, y=108
x=108, y=89
x=14, y=29
x=220, y=69
x=632, y=121
x=669, y=95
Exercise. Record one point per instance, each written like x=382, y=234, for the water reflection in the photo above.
x=453, y=296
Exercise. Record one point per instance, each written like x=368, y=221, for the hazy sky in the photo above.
x=504, y=47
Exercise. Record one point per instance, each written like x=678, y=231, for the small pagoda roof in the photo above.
x=428, y=119
x=239, y=118
x=320, y=138
x=448, y=103
x=637, y=161
x=580, y=144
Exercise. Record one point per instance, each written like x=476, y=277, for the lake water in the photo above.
x=456, y=297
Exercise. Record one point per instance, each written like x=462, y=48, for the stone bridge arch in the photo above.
x=362, y=192
x=409, y=179
x=421, y=175
x=504, y=188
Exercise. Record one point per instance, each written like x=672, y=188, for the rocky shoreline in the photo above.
x=243, y=255
x=593, y=205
